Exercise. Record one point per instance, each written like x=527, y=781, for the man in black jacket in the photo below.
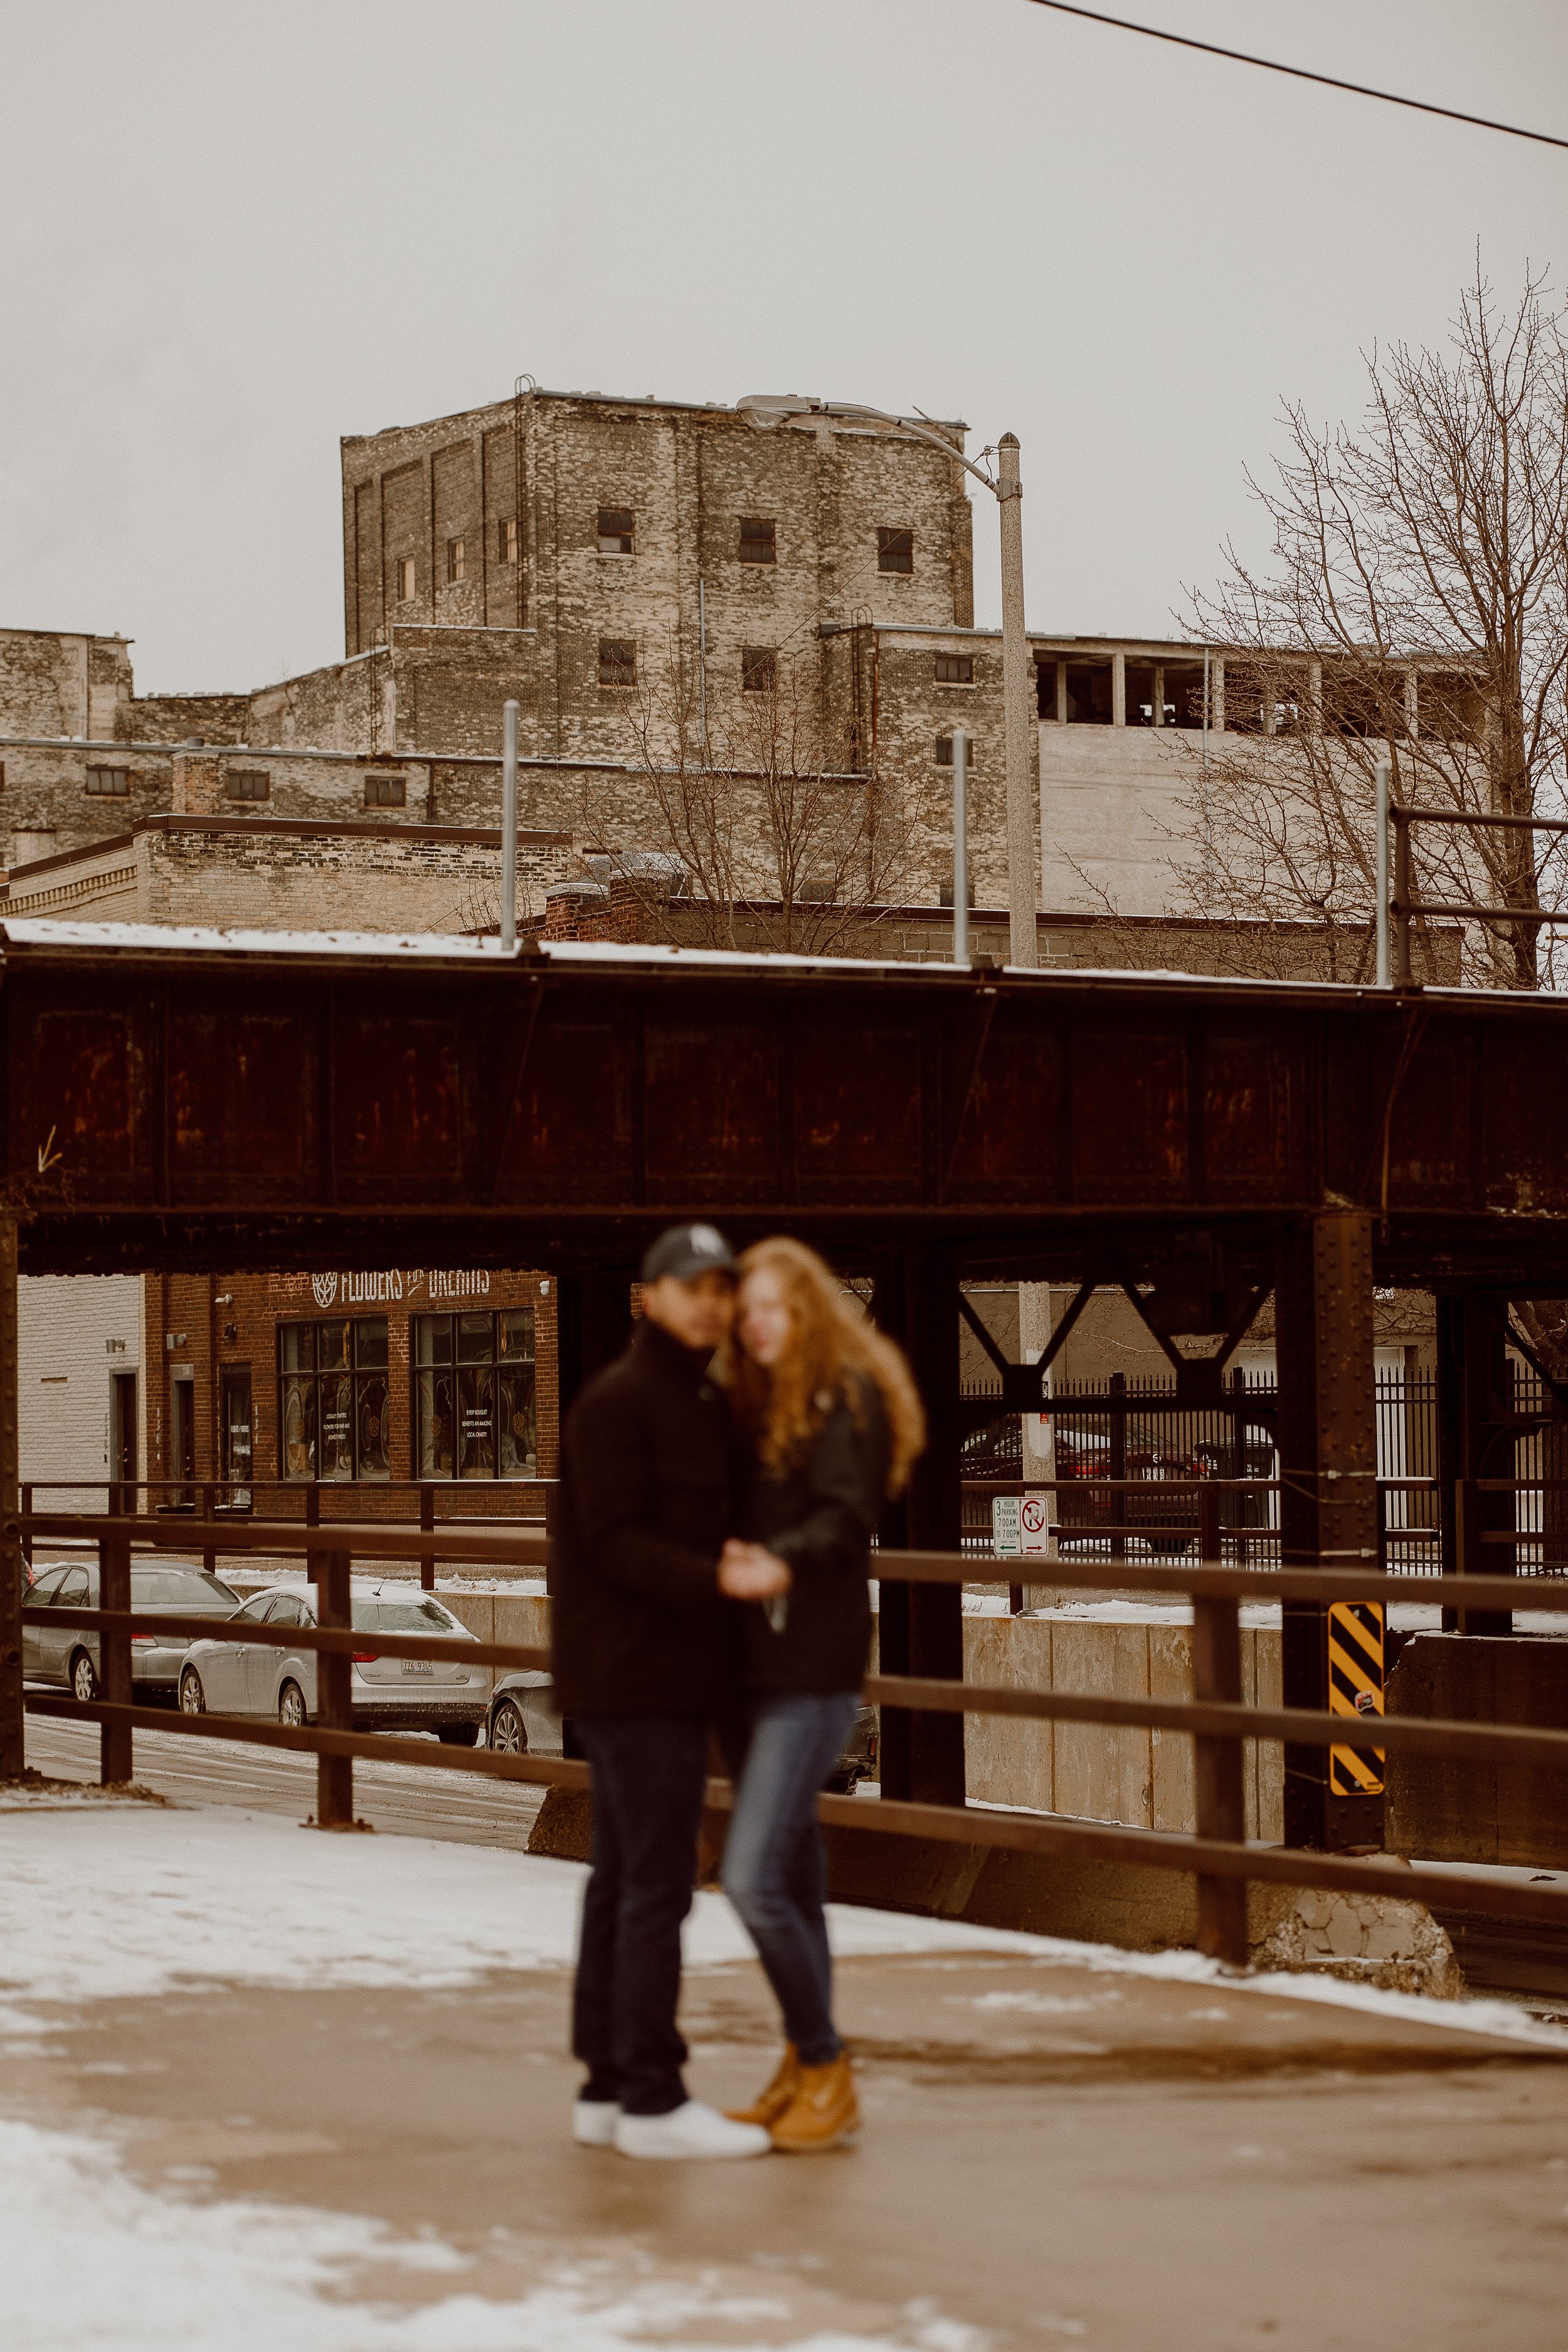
x=650, y=1489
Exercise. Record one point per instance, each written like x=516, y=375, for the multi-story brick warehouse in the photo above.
x=575, y=552
x=571, y=551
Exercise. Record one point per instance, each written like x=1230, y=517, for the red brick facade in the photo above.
x=201, y=1327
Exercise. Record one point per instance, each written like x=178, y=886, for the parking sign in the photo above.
x=1033, y=1525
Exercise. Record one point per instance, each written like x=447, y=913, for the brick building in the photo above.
x=263, y=1386
x=581, y=554
x=577, y=553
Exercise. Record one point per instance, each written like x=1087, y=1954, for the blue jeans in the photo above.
x=775, y=1872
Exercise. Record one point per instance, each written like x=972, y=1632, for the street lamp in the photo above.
x=767, y=411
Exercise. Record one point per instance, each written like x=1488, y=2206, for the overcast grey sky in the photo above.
x=230, y=236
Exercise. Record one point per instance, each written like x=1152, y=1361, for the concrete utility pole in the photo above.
x=509, y=828
x=767, y=411
x=1023, y=947
x=960, y=847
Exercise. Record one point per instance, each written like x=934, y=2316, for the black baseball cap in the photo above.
x=687, y=1251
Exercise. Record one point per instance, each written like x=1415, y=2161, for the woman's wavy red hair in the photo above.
x=784, y=1405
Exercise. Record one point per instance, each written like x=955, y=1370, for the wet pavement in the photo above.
x=1052, y=2152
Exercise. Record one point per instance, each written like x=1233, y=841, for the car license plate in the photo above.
x=418, y=1666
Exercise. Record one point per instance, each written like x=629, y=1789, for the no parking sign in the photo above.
x=1020, y=1526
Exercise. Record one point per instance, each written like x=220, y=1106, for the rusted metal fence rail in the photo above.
x=195, y=1504
x=1217, y=1717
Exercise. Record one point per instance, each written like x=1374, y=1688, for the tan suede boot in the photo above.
x=769, y=2105
x=825, y=2111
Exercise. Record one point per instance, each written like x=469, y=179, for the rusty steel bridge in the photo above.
x=229, y=1101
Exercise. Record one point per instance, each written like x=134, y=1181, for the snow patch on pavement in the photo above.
x=100, y=1904
x=105, y=1902
x=91, y=2263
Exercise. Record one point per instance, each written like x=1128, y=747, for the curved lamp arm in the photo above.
x=768, y=410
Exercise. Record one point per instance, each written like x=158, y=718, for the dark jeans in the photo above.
x=775, y=1872
x=649, y=1776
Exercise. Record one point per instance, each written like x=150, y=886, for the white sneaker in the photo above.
x=692, y=2130
x=593, y=2123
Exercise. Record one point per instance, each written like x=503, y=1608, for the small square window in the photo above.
x=247, y=784
x=457, y=561
x=944, y=752
x=618, y=661
x=617, y=533
x=406, y=580
x=758, y=540
x=108, y=784
x=895, y=550
x=506, y=541
x=759, y=670
x=956, y=669
x=816, y=894
x=386, y=792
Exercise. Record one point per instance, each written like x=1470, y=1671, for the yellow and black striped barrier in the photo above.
x=1356, y=1687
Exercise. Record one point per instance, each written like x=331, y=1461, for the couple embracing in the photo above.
x=721, y=1484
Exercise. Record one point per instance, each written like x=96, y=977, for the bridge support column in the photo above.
x=13, y=1737
x=1474, y=1405
x=592, y=1318
x=1328, y=1507
x=921, y=1625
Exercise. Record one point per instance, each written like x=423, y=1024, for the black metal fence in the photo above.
x=1133, y=1429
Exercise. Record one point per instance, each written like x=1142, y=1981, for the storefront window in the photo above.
x=332, y=1400
x=473, y=1395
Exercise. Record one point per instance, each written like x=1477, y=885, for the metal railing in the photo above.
x=199, y=1502
x=1217, y=1717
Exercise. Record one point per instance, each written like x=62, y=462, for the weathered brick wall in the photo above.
x=347, y=707
x=913, y=713
x=182, y=719
x=688, y=475
x=1066, y=941
x=55, y=684
x=336, y=790
x=371, y=878
x=103, y=885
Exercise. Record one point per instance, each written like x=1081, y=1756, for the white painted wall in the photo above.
x=75, y=1332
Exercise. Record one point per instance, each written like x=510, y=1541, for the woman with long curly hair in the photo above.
x=834, y=1422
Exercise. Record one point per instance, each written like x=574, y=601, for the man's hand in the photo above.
x=748, y=1572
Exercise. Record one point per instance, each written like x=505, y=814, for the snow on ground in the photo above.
x=120, y=1898
x=100, y=1901
x=87, y=2259
x=107, y=1901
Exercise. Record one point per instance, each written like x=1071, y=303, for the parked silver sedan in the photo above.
x=523, y=1720
x=234, y=1676
x=53, y=1653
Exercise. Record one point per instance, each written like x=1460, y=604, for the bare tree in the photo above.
x=742, y=801
x=1415, y=609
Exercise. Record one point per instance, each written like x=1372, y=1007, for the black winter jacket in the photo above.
x=820, y=1517
x=650, y=1473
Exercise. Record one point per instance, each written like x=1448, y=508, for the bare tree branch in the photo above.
x=1417, y=609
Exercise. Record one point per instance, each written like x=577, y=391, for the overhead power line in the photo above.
x=1300, y=73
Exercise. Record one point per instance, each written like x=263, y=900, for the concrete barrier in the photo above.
x=1143, y=1778
x=1453, y=1811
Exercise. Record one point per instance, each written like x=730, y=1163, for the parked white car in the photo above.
x=238, y=1677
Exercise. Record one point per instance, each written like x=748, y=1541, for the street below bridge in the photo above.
x=458, y=1808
